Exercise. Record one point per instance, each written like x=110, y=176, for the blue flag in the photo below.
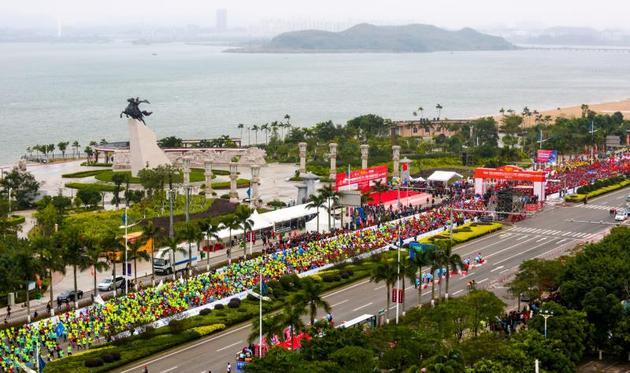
x=265, y=288
x=249, y=192
x=124, y=219
x=60, y=329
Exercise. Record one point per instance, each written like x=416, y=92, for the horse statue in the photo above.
x=133, y=110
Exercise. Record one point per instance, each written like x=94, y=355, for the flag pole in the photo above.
x=126, y=249
x=260, y=316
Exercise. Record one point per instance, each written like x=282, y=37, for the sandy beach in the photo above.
x=622, y=106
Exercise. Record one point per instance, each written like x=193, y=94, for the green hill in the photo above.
x=370, y=38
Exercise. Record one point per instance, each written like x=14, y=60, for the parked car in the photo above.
x=108, y=283
x=69, y=295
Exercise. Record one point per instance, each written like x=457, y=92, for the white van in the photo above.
x=165, y=264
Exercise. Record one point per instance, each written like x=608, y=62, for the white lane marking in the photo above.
x=458, y=291
x=566, y=234
x=505, y=235
x=542, y=239
x=342, y=302
x=509, y=247
x=229, y=346
x=342, y=290
x=409, y=287
x=523, y=252
x=496, y=269
x=505, y=270
x=379, y=288
x=140, y=366
x=484, y=280
x=563, y=240
x=169, y=369
x=522, y=237
x=363, y=306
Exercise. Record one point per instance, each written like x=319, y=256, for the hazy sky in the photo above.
x=446, y=13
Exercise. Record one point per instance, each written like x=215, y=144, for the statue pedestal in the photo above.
x=143, y=149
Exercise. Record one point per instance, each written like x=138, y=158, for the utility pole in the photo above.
x=592, y=132
x=546, y=314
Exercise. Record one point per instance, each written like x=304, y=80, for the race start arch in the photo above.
x=511, y=173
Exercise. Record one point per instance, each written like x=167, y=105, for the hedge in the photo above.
x=16, y=220
x=579, y=197
x=97, y=186
x=196, y=175
x=82, y=174
x=91, y=164
x=240, y=183
x=465, y=232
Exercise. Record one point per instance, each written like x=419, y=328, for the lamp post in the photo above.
x=546, y=314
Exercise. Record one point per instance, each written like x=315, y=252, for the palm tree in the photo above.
x=439, y=108
x=408, y=270
x=245, y=223
x=211, y=231
x=112, y=245
x=26, y=266
x=452, y=261
x=150, y=234
x=331, y=196
x=292, y=316
x=88, y=152
x=51, y=253
x=75, y=148
x=418, y=112
x=94, y=255
x=62, y=146
x=437, y=262
x=241, y=126
x=385, y=271
x=231, y=223
x=191, y=233
x=75, y=253
x=50, y=148
x=172, y=243
x=136, y=252
x=310, y=297
x=255, y=128
x=422, y=259
x=265, y=127
x=272, y=325
x=316, y=201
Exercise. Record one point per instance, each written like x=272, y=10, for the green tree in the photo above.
x=316, y=201
x=75, y=253
x=245, y=223
x=192, y=234
x=272, y=325
x=172, y=243
x=485, y=307
x=171, y=142
x=604, y=311
x=453, y=262
x=511, y=128
x=150, y=235
x=354, y=359
x=292, y=317
x=52, y=257
x=25, y=266
x=119, y=178
x=136, y=252
x=94, y=255
x=385, y=271
x=90, y=197
x=535, y=277
x=22, y=186
x=422, y=259
x=63, y=146
x=310, y=298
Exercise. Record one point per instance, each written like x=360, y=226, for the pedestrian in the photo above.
x=146, y=369
x=229, y=368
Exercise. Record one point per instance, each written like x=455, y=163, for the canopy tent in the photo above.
x=260, y=222
x=418, y=179
x=443, y=176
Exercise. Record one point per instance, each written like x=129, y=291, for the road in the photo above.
x=546, y=234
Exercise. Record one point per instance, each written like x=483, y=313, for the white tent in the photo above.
x=443, y=176
x=260, y=222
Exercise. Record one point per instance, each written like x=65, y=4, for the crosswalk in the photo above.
x=551, y=232
x=595, y=207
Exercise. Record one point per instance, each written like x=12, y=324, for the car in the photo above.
x=69, y=295
x=108, y=284
x=621, y=215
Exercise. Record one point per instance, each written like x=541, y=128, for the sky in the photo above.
x=526, y=14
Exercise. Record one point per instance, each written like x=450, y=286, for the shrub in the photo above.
x=109, y=357
x=93, y=363
x=251, y=297
x=242, y=310
x=234, y=303
x=176, y=326
x=289, y=282
x=208, y=329
x=205, y=311
x=331, y=278
x=219, y=306
x=220, y=314
x=149, y=331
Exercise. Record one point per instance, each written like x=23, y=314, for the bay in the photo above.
x=66, y=92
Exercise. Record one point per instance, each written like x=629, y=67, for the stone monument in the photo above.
x=396, y=158
x=333, y=161
x=302, y=148
x=143, y=149
x=364, y=155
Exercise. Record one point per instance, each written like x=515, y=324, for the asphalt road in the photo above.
x=547, y=233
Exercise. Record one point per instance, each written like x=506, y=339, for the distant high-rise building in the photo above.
x=221, y=20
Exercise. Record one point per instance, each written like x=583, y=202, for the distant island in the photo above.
x=365, y=37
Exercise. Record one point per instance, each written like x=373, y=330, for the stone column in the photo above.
x=255, y=192
x=208, y=175
x=364, y=155
x=233, y=176
x=186, y=167
x=333, y=160
x=302, y=147
x=396, y=158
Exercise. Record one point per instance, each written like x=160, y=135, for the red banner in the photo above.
x=360, y=179
x=398, y=295
x=509, y=173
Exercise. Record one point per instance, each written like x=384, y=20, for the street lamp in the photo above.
x=546, y=314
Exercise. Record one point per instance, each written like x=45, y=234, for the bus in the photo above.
x=364, y=322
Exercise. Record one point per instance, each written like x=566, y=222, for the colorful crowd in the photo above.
x=60, y=336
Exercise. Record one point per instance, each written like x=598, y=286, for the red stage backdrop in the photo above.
x=360, y=179
x=509, y=173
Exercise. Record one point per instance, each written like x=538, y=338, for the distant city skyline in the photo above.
x=533, y=14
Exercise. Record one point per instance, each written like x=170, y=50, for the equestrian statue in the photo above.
x=133, y=109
